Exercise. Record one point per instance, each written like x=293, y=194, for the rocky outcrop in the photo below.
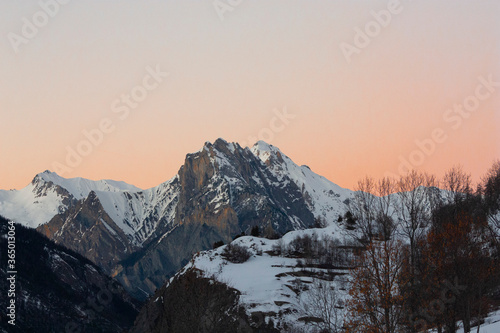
x=87, y=229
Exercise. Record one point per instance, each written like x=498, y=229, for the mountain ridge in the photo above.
x=219, y=192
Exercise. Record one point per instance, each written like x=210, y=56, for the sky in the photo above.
x=125, y=89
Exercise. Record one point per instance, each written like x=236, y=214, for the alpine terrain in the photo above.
x=142, y=237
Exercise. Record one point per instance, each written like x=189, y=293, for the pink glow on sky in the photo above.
x=226, y=78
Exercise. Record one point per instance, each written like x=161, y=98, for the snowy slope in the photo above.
x=324, y=198
x=266, y=281
x=49, y=194
x=138, y=213
x=28, y=207
x=81, y=187
x=491, y=324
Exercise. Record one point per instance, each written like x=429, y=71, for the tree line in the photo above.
x=431, y=252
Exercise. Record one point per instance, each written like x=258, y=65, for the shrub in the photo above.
x=350, y=221
x=278, y=248
x=236, y=254
x=240, y=235
x=320, y=222
x=218, y=244
x=303, y=245
x=323, y=252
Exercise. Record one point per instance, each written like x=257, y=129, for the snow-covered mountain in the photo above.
x=131, y=208
x=139, y=213
x=219, y=192
x=49, y=194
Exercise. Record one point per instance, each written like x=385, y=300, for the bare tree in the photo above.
x=322, y=301
x=384, y=207
x=362, y=206
x=376, y=303
x=458, y=185
x=372, y=209
x=416, y=199
x=415, y=194
x=490, y=190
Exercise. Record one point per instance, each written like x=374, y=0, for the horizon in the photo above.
x=349, y=89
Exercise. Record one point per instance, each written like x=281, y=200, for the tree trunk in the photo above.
x=467, y=317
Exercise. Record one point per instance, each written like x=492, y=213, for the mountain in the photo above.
x=86, y=228
x=49, y=194
x=222, y=190
x=58, y=290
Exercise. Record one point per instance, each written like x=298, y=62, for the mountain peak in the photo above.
x=220, y=145
x=220, y=141
x=81, y=187
x=47, y=176
x=266, y=152
x=264, y=146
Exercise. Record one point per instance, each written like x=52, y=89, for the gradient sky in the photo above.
x=228, y=77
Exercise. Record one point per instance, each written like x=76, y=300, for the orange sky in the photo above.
x=228, y=77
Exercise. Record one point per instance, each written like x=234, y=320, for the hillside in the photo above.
x=57, y=289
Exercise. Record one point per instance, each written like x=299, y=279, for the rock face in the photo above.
x=144, y=237
x=58, y=290
x=87, y=229
x=230, y=189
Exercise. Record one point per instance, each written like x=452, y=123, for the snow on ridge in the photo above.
x=23, y=206
x=138, y=213
x=81, y=187
x=41, y=200
x=324, y=198
x=263, y=150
